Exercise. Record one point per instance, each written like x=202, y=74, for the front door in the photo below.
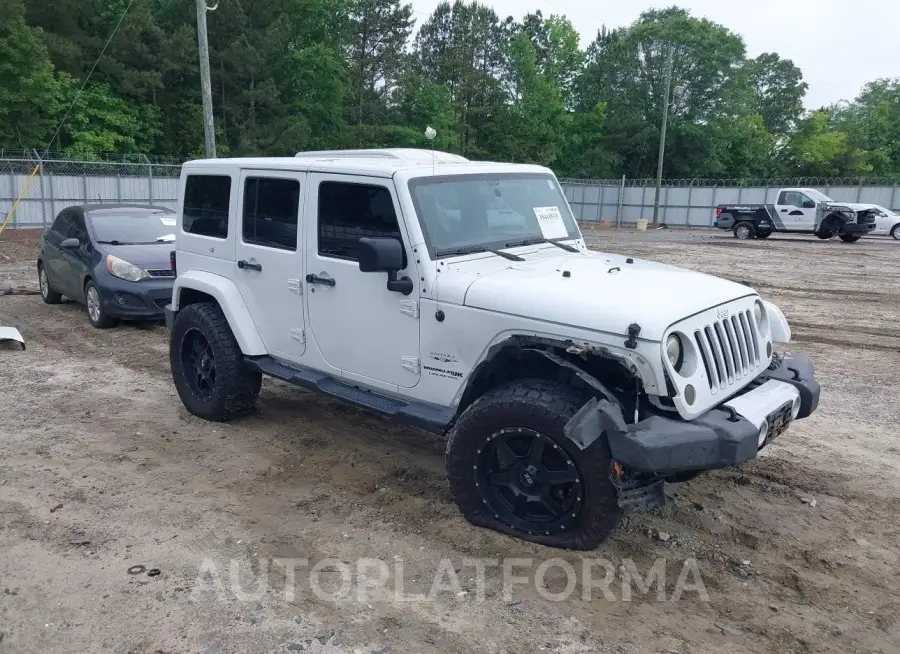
x=77, y=260
x=797, y=211
x=368, y=332
x=269, y=264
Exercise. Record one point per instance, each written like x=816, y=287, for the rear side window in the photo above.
x=270, y=212
x=206, y=202
x=348, y=212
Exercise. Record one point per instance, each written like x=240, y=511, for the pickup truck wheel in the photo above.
x=849, y=238
x=763, y=234
x=824, y=235
x=208, y=366
x=512, y=469
x=744, y=231
x=895, y=232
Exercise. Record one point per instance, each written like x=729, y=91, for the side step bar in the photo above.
x=423, y=416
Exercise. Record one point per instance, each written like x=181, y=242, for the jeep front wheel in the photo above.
x=208, y=366
x=512, y=468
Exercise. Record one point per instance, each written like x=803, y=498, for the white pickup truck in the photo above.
x=798, y=210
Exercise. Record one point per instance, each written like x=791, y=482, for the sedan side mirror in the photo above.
x=70, y=244
x=385, y=254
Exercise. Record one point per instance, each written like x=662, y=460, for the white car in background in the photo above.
x=886, y=222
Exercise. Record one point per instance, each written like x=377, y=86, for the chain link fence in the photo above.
x=154, y=180
x=62, y=183
x=692, y=202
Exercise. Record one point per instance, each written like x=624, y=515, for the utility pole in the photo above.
x=662, y=131
x=209, y=134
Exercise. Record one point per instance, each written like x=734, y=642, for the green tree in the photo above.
x=820, y=150
x=377, y=34
x=779, y=89
x=30, y=92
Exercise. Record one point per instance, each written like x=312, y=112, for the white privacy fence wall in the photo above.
x=693, y=202
x=63, y=183
x=682, y=202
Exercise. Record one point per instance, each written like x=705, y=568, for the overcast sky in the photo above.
x=838, y=44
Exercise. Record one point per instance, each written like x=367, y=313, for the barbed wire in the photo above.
x=740, y=182
x=111, y=157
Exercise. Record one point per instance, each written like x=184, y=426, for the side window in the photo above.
x=348, y=212
x=794, y=199
x=206, y=203
x=78, y=230
x=61, y=224
x=271, y=207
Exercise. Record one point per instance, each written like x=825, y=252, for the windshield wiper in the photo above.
x=474, y=249
x=540, y=241
x=115, y=242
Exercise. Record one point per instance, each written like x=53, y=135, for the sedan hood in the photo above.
x=154, y=256
x=601, y=292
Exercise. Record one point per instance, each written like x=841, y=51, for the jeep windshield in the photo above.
x=461, y=214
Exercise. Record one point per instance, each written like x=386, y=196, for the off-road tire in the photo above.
x=236, y=386
x=824, y=235
x=744, y=231
x=100, y=320
x=47, y=293
x=545, y=407
x=763, y=234
x=850, y=238
x=895, y=232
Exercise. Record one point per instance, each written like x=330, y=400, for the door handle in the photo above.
x=315, y=279
x=246, y=265
x=784, y=211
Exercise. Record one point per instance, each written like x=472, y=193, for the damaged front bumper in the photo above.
x=727, y=435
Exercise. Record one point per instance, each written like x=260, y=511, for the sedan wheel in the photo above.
x=895, y=232
x=47, y=294
x=96, y=314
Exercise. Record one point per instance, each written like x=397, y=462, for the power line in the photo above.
x=91, y=72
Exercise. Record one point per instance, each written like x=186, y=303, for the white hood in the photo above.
x=594, y=295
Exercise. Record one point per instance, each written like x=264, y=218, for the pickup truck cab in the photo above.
x=459, y=297
x=800, y=211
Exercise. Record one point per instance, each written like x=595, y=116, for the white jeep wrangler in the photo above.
x=460, y=297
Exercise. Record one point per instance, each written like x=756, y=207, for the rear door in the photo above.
x=270, y=257
x=52, y=257
x=796, y=210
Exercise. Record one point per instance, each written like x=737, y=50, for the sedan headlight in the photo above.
x=124, y=270
x=674, y=351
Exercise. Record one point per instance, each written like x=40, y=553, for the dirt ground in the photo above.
x=101, y=468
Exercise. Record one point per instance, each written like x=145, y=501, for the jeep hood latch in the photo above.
x=633, y=330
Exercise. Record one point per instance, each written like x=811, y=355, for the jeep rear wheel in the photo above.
x=208, y=366
x=512, y=469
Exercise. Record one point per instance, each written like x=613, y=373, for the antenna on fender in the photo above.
x=430, y=134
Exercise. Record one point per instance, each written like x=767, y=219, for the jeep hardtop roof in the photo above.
x=383, y=162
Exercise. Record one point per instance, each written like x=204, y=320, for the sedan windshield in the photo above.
x=129, y=227
x=471, y=213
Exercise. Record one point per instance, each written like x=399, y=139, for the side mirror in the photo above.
x=70, y=244
x=384, y=254
x=809, y=204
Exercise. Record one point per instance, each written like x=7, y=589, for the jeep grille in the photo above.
x=730, y=349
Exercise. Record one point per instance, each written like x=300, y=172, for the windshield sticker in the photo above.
x=551, y=222
x=168, y=221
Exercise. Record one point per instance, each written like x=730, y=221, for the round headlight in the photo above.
x=674, y=351
x=758, y=311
